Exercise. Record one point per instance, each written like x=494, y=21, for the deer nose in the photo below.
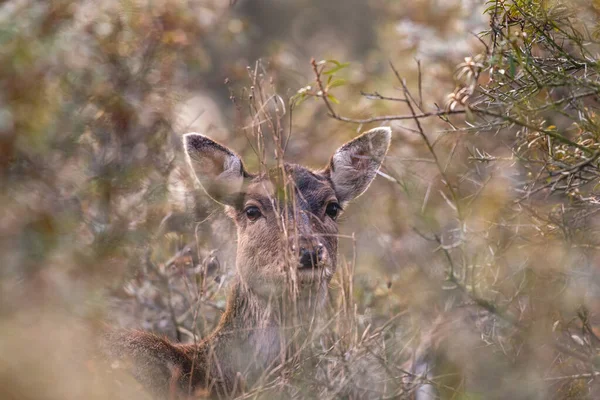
x=310, y=255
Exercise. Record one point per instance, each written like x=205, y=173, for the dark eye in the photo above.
x=333, y=209
x=253, y=213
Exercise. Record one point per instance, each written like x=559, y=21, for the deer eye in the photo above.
x=253, y=213
x=332, y=210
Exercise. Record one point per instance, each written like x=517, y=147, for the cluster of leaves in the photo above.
x=86, y=132
x=543, y=73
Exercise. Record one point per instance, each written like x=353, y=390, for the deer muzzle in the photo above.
x=310, y=252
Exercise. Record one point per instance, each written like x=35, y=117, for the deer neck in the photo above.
x=248, y=336
x=248, y=311
x=256, y=331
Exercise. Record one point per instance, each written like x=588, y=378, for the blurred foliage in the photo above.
x=479, y=242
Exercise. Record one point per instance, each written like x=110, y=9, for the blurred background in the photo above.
x=479, y=240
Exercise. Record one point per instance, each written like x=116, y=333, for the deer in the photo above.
x=287, y=240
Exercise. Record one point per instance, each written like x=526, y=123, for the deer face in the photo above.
x=287, y=218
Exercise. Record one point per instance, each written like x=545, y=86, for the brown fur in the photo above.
x=272, y=290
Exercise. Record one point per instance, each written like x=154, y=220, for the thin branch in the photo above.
x=590, y=375
x=396, y=117
x=322, y=88
x=377, y=96
x=441, y=170
x=546, y=132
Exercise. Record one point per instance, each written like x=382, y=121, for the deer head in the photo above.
x=286, y=218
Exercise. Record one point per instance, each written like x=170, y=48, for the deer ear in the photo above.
x=354, y=165
x=219, y=170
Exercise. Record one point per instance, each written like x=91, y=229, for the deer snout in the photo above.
x=310, y=252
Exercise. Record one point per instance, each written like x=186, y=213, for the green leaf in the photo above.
x=512, y=66
x=298, y=98
x=469, y=114
x=333, y=99
x=336, y=68
x=335, y=82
